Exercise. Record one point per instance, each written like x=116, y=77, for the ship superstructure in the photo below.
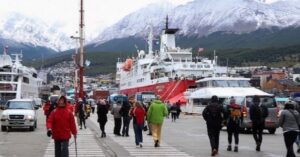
x=167, y=72
x=17, y=80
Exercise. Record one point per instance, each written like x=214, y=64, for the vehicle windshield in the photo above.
x=19, y=105
x=269, y=102
x=230, y=83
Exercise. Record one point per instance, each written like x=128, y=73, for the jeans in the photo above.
x=174, y=116
x=126, y=122
x=138, y=132
x=82, y=121
x=298, y=139
x=214, y=135
x=289, y=139
x=233, y=129
x=257, y=130
x=117, y=128
x=61, y=148
x=102, y=126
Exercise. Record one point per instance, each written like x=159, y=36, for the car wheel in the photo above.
x=272, y=131
x=35, y=124
x=31, y=128
x=3, y=128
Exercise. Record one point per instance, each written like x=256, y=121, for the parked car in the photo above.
x=272, y=121
x=20, y=113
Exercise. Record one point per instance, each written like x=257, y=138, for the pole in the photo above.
x=75, y=139
x=81, y=40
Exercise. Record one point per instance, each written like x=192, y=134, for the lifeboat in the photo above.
x=127, y=65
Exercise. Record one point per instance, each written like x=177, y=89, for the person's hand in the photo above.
x=49, y=133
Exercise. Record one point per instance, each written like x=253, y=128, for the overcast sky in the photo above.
x=65, y=14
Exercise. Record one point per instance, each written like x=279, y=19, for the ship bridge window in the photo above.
x=207, y=66
x=230, y=83
x=5, y=77
x=26, y=80
x=200, y=66
x=34, y=75
x=192, y=66
x=202, y=84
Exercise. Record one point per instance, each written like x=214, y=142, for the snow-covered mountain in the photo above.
x=203, y=17
x=33, y=32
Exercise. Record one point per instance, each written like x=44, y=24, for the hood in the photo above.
x=18, y=112
x=157, y=102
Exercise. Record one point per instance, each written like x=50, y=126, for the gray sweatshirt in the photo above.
x=287, y=120
x=116, y=111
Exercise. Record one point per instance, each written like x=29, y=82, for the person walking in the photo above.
x=138, y=114
x=117, y=117
x=60, y=125
x=155, y=115
x=233, y=119
x=258, y=114
x=213, y=115
x=80, y=112
x=169, y=108
x=178, y=104
x=289, y=120
x=124, y=111
x=148, y=122
x=174, y=111
x=102, y=110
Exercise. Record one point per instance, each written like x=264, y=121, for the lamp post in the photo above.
x=81, y=42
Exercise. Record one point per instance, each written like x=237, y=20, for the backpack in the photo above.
x=259, y=113
x=235, y=113
x=212, y=113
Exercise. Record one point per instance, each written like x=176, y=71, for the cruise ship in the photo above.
x=17, y=80
x=168, y=72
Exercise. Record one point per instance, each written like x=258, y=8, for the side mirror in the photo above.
x=36, y=107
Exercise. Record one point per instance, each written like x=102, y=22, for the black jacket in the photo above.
x=124, y=111
x=213, y=115
x=258, y=114
x=102, y=111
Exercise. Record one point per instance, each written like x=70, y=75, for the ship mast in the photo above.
x=5, y=50
x=150, y=41
x=81, y=42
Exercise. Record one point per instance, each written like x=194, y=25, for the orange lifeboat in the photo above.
x=127, y=65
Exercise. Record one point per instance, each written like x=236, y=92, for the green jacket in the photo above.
x=156, y=112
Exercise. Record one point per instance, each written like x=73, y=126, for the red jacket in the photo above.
x=46, y=108
x=139, y=114
x=70, y=108
x=62, y=124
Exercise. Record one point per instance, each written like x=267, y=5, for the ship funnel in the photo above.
x=168, y=38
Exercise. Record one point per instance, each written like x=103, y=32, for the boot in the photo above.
x=156, y=143
x=214, y=152
x=236, y=149
x=258, y=146
x=229, y=148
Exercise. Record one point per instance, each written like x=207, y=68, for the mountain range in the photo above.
x=32, y=36
x=203, y=23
